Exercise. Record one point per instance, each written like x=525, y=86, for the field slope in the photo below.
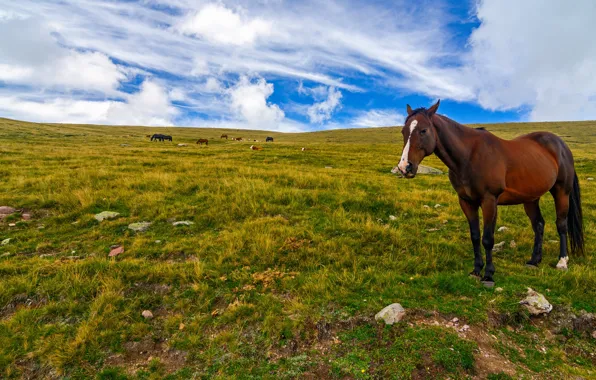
x=290, y=256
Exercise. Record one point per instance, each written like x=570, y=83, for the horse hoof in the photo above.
x=475, y=275
x=488, y=284
x=562, y=264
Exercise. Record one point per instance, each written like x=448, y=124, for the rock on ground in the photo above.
x=502, y=229
x=536, y=303
x=391, y=314
x=422, y=169
x=147, y=314
x=139, y=227
x=183, y=223
x=498, y=247
x=5, y=241
x=7, y=210
x=513, y=244
x=106, y=215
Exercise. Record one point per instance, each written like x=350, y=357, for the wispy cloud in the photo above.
x=220, y=61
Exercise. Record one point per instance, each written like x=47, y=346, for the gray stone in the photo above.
x=422, y=169
x=183, y=223
x=147, y=314
x=392, y=217
x=5, y=241
x=391, y=314
x=106, y=215
x=536, y=303
x=139, y=227
x=502, y=229
x=499, y=246
x=7, y=210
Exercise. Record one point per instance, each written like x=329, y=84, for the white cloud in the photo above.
x=378, y=118
x=249, y=103
x=321, y=112
x=150, y=106
x=219, y=24
x=32, y=56
x=539, y=56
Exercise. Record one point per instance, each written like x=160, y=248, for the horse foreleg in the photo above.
x=471, y=212
x=489, y=216
x=533, y=212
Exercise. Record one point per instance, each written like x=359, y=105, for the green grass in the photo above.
x=284, y=268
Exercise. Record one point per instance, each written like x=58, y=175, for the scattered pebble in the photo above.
x=106, y=215
x=147, y=314
x=391, y=314
x=26, y=216
x=7, y=210
x=41, y=227
x=553, y=241
x=432, y=229
x=183, y=223
x=512, y=244
x=392, y=217
x=6, y=254
x=502, y=229
x=438, y=205
x=499, y=290
x=116, y=251
x=5, y=241
x=464, y=328
x=455, y=320
x=139, y=227
x=12, y=224
x=425, y=206
x=498, y=247
x=157, y=241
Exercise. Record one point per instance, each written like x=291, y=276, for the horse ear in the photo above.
x=409, y=109
x=432, y=110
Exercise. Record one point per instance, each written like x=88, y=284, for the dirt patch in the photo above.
x=294, y=244
x=139, y=355
x=487, y=360
x=21, y=301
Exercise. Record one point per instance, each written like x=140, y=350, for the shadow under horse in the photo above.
x=487, y=171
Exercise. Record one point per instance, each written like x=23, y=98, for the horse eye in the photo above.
x=422, y=132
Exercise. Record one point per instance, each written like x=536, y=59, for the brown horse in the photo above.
x=203, y=141
x=238, y=139
x=487, y=171
x=224, y=137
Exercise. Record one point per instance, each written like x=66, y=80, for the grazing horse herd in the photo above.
x=161, y=137
x=487, y=171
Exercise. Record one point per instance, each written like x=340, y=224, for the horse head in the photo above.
x=420, y=139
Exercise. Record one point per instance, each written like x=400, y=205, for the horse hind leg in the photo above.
x=533, y=212
x=562, y=210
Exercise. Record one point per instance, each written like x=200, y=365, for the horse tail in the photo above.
x=575, y=224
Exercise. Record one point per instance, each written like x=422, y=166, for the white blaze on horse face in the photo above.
x=403, y=163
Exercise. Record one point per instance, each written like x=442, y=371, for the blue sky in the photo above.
x=295, y=65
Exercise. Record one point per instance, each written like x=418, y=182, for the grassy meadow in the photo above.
x=290, y=256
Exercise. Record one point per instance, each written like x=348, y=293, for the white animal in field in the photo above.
x=303, y=149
